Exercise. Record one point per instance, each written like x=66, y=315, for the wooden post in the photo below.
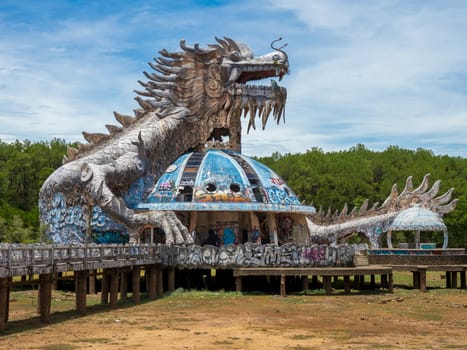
x=454, y=279
x=114, y=283
x=105, y=286
x=4, y=301
x=372, y=282
x=45, y=296
x=151, y=273
x=314, y=282
x=384, y=281
x=391, y=282
x=81, y=278
x=304, y=283
x=123, y=285
x=160, y=282
x=416, y=279
x=92, y=282
x=282, y=286
x=135, y=283
x=171, y=278
x=327, y=285
x=238, y=284
x=463, y=284
x=347, y=284
x=422, y=278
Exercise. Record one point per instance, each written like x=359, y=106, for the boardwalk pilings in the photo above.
x=170, y=278
x=3, y=302
x=135, y=284
x=151, y=273
x=160, y=282
x=105, y=286
x=45, y=296
x=123, y=284
x=81, y=287
x=114, y=283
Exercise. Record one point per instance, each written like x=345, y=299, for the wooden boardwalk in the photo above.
x=325, y=272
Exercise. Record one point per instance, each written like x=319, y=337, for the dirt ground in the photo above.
x=406, y=319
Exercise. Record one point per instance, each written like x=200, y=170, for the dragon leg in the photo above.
x=99, y=193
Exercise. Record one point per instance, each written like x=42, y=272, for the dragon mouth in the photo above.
x=257, y=99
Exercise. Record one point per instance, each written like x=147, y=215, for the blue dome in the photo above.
x=221, y=180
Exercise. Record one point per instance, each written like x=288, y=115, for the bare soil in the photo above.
x=406, y=319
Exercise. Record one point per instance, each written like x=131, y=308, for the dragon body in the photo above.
x=193, y=97
x=329, y=227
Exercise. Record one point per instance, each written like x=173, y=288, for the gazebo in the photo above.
x=417, y=219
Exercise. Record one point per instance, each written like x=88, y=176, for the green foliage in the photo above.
x=328, y=179
x=24, y=166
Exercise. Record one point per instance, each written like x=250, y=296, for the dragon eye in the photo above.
x=235, y=56
x=276, y=57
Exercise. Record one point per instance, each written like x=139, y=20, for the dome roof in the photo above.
x=221, y=180
x=417, y=219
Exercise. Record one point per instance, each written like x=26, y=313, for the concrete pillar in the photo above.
x=81, y=278
x=416, y=279
x=372, y=281
x=238, y=284
x=114, y=283
x=448, y=279
x=135, y=283
x=45, y=296
x=4, y=302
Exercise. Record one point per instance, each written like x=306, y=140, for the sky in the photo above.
x=377, y=73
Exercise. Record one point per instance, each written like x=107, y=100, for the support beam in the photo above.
x=4, y=302
x=81, y=278
x=327, y=285
x=135, y=284
x=45, y=296
x=105, y=286
x=151, y=273
x=92, y=282
x=347, y=284
x=171, y=278
x=123, y=285
x=114, y=283
x=282, y=286
x=160, y=282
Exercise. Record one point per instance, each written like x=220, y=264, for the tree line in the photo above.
x=328, y=179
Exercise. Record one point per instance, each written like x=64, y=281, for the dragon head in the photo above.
x=212, y=84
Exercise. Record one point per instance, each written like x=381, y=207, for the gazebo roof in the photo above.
x=417, y=219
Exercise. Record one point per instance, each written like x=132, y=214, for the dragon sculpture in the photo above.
x=328, y=227
x=195, y=96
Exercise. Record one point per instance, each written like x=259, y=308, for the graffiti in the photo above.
x=258, y=255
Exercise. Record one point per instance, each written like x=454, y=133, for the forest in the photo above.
x=326, y=179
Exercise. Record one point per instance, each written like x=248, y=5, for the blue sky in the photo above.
x=378, y=73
